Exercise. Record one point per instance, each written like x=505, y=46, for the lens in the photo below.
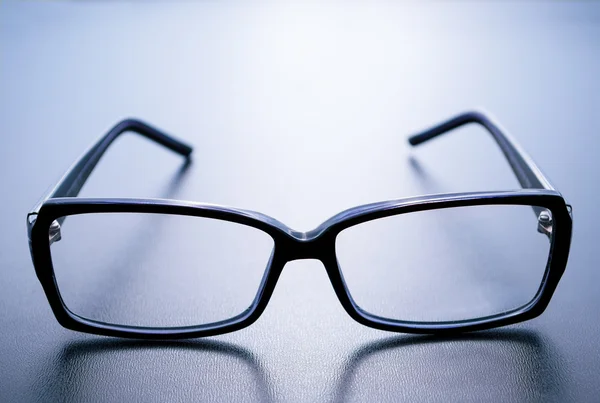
x=157, y=270
x=445, y=265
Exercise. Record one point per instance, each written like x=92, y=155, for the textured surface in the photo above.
x=331, y=92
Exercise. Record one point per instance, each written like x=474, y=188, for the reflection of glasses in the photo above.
x=165, y=269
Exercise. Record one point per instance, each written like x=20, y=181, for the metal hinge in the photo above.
x=54, y=232
x=545, y=223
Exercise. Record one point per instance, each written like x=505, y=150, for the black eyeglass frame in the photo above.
x=46, y=218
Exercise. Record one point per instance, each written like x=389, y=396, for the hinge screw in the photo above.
x=545, y=218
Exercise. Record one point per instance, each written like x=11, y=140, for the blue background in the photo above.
x=329, y=92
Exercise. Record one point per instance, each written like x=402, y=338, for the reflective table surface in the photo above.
x=299, y=111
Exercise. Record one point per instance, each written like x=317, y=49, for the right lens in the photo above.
x=445, y=265
x=157, y=270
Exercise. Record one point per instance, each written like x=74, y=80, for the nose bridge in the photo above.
x=305, y=245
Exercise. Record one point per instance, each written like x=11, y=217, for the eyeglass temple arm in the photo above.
x=74, y=179
x=526, y=171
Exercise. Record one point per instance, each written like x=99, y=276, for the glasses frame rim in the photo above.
x=289, y=245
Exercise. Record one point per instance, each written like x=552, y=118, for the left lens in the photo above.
x=445, y=265
x=157, y=270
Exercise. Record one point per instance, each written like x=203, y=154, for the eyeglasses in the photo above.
x=168, y=269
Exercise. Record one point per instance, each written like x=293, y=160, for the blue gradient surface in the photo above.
x=331, y=91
